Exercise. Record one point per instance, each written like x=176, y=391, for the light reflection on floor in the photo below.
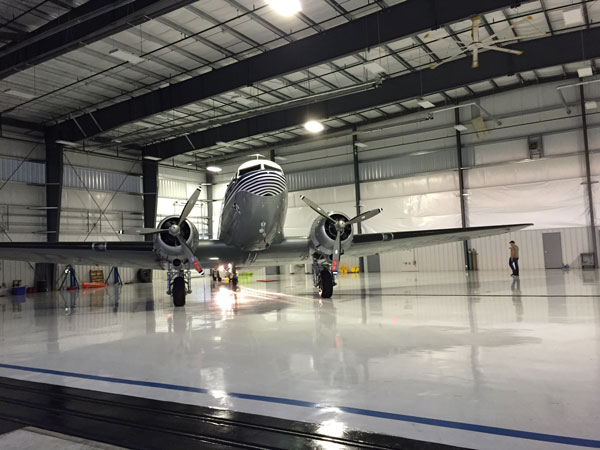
x=483, y=349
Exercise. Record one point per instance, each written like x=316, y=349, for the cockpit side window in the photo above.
x=248, y=170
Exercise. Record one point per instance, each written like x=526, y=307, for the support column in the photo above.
x=588, y=175
x=361, y=260
x=461, y=184
x=150, y=189
x=209, y=204
x=272, y=154
x=46, y=272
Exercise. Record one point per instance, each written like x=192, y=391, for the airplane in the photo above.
x=250, y=234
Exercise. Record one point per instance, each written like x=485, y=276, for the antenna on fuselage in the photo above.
x=258, y=156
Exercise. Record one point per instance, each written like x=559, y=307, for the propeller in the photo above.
x=175, y=229
x=340, y=226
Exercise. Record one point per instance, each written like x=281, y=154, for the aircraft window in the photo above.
x=274, y=169
x=248, y=170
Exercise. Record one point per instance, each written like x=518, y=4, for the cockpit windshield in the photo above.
x=246, y=170
x=267, y=165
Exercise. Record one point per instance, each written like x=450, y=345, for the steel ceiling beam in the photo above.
x=393, y=23
x=539, y=53
x=83, y=25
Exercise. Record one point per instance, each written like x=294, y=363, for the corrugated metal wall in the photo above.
x=74, y=177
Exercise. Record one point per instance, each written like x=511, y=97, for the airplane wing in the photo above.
x=210, y=252
x=373, y=243
x=122, y=254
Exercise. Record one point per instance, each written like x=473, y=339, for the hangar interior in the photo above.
x=113, y=113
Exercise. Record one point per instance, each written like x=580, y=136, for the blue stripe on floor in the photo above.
x=304, y=404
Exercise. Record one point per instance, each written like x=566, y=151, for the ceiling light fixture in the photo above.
x=314, y=126
x=152, y=158
x=285, y=7
x=460, y=127
x=360, y=144
x=585, y=72
x=214, y=169
x=425, y=104
x=126, y=56
x=17, y=93
x=67, y=143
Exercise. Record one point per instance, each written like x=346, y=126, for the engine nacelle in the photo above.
x=168, y=246
x=323, y=233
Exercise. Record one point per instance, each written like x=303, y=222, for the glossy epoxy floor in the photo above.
x=481, y=361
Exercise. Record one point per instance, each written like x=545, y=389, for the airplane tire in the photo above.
x=178, y=291
x=325, y=284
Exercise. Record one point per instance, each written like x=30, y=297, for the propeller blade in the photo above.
x=189, y=254
x=337, y=250
x=365, y=216
x=189, y=205
x=143, y=231
x=316, y=207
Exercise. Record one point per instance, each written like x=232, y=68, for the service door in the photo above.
x=373, y=264
x=553, y=258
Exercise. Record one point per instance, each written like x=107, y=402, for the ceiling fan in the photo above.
x=489, y=43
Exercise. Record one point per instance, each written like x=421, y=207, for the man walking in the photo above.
x=513, y=261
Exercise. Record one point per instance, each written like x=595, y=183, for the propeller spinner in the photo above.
x=340, y=225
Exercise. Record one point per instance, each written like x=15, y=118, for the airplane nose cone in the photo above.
x=174, y=229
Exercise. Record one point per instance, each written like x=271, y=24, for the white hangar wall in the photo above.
x=91, y=184
x=410, y=170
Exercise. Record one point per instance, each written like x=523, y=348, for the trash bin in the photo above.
x=587, y=260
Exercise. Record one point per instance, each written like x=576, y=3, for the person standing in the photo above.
x=513, y=261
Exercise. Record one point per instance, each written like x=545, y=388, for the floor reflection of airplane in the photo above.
x=251, y=234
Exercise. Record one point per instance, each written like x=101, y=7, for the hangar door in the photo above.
x=553, y=258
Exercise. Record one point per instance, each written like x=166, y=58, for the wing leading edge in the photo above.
x=370, y=244
x=122, y=254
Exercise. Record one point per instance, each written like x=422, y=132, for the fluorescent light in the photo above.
x=573, y=16
x=214, y=169
x=18, y=93
x=425, y=104
x=585, y=72
x=213, y=258
x=460, y=127
x=126, y=56
x=313, y=126
x=152, y=158
x=67, y=143
x=360, y=145
x=375, y=68
x=281, y=158
x=117, y=141
x=285, y=7
x=591, y=105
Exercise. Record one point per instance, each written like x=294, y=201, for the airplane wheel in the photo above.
x=178, y=290
x=325, y=284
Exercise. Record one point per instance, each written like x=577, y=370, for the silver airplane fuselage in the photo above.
x=254, y=207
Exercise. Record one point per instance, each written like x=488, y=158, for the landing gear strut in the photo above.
x=323, y=278
x=179, y=282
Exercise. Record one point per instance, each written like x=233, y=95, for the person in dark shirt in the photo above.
x=513, y=261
